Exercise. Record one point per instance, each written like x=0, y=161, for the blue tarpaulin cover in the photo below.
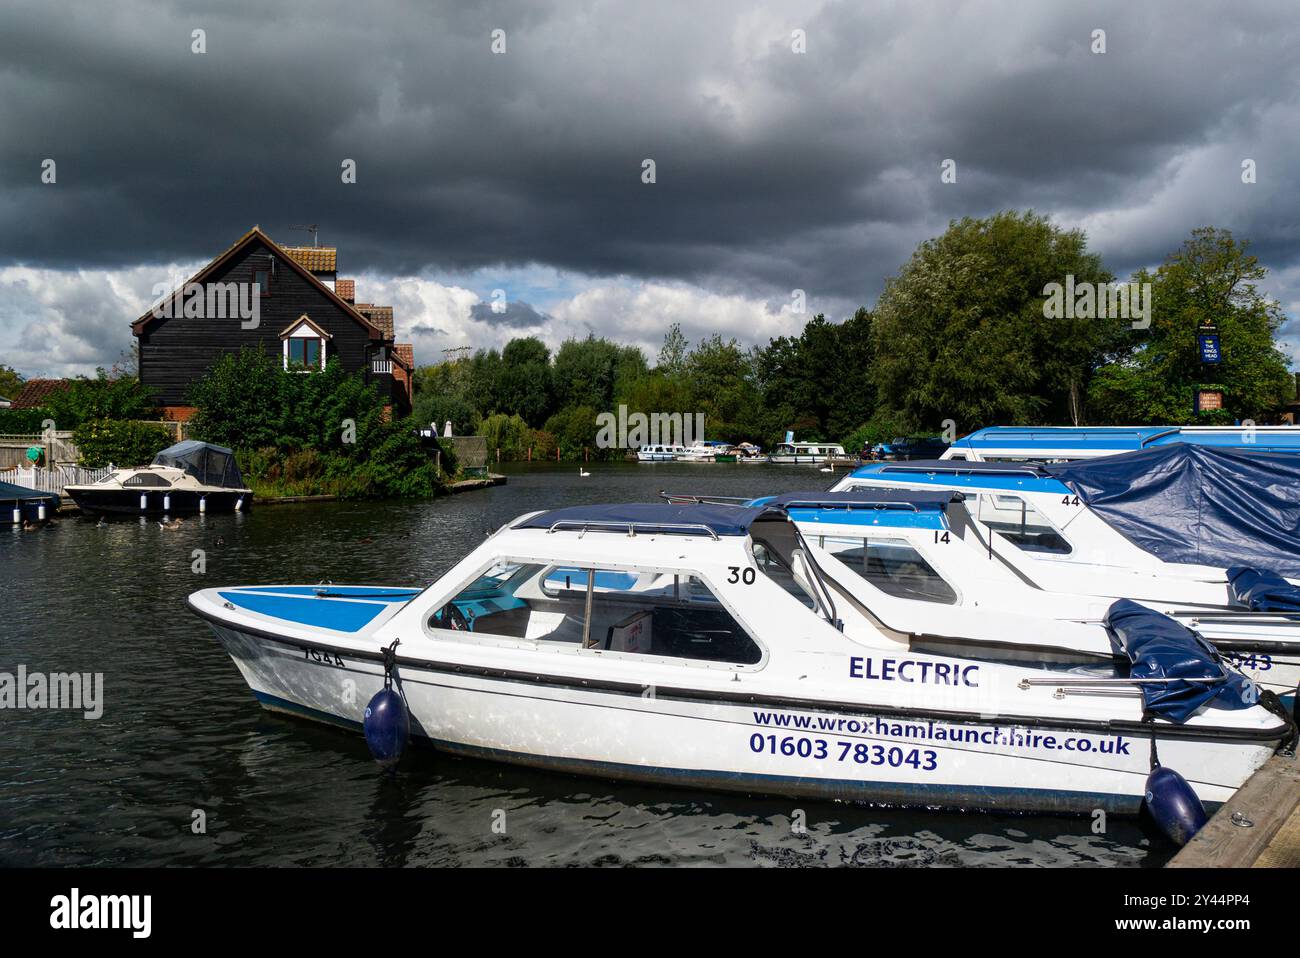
x=1263, y=591
x=649, y=516
x=1160, y=648
x=1198, y=504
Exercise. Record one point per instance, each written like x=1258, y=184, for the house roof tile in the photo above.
x=317, y=259
x=36, y=391
x=347, y=289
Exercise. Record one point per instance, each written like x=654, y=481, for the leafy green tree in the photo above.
x=102, y=397
x=120, y=442
x=584, y=373
x=11, y=382
x=961, y=334
x=524, y=385
x=672, y=355
x=1211, y=280
x=819, y=382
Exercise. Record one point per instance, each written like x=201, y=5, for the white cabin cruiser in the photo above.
x=806, y=453
x=189, y=477
x=659, y=453
x=702, y=645
x=1037, y=525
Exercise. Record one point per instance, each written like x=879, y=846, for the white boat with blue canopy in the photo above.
x=1066, y=443
x=709, y=646
x=1211, y=537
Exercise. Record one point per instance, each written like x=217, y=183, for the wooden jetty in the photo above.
x=1259, y=827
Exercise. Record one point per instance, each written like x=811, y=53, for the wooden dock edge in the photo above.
x=1270, y=800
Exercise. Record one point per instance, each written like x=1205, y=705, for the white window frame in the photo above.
x=303, y=328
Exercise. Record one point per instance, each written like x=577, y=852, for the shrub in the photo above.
x=23, y=422
x=122, y=398
x=123, y=443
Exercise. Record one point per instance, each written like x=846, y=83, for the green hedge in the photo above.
x=123, y=443
x=22, y=422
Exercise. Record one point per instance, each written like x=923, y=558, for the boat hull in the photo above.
x=124, y=502
x=687, y=737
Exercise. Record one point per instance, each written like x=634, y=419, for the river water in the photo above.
x=181, y=740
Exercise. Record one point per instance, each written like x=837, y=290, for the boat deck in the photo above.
x=1270, y=802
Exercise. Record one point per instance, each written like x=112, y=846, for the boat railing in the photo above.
x=1118, y=686
x=1233, y=615
x=964, y=471
x=671, y=528
x=675, y=498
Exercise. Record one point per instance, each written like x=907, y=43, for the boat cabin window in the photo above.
x=1020, y=523
x=149, y=480
x=893, y=566
x=572, y=608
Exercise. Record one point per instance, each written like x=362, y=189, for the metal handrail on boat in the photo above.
x=590, y=525
x=1230, y=615
x=690, y=497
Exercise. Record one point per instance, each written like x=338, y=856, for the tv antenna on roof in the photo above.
x=309, y=228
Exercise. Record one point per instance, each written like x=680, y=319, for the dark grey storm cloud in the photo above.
x=517, y=315
x=775, y=169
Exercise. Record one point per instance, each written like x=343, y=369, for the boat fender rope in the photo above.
x=1149, y=719
x=390, y=662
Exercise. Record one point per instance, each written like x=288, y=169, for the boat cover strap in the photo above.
x=1160, y=648
x=1263, y=591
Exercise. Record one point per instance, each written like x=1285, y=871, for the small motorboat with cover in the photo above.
x=189, y=477
x=1189, y=530
x=706, y=646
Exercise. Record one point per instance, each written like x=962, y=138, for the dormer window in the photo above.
x=305, y=346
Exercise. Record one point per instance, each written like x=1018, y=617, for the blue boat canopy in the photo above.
x=12, y=493
x=1162, y=649
x=209, y=464
x=652, y=517
x=1204, y=505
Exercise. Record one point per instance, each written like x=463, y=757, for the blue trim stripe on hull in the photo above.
x=980, y=798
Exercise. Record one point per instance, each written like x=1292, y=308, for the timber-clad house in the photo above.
x=306, y=316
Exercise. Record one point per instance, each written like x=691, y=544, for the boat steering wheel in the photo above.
x=453, y=618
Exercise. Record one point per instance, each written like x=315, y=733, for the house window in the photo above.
x=303, y=353
x=262, y=278
x=304, y=346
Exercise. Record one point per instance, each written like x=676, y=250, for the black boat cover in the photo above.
x=1160, y=648
x=1263, y=591
x=1197, y=504
x=209, y=464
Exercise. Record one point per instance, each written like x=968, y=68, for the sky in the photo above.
x=797, y=147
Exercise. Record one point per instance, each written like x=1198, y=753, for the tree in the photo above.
x=672, y=355
x=961, y=334
x=1211, y=279
x=819, y=382
x=102, y=397
x=11, y=382
x=524, y=385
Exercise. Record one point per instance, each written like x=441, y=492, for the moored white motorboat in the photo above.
x=808, y=453
x=659, y=453
x=1042, y=546
x=189, y=477
x=703, y=646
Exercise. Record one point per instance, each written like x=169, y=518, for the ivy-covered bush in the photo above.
x=298, y=434
x=22, y=422
x=121, y=442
